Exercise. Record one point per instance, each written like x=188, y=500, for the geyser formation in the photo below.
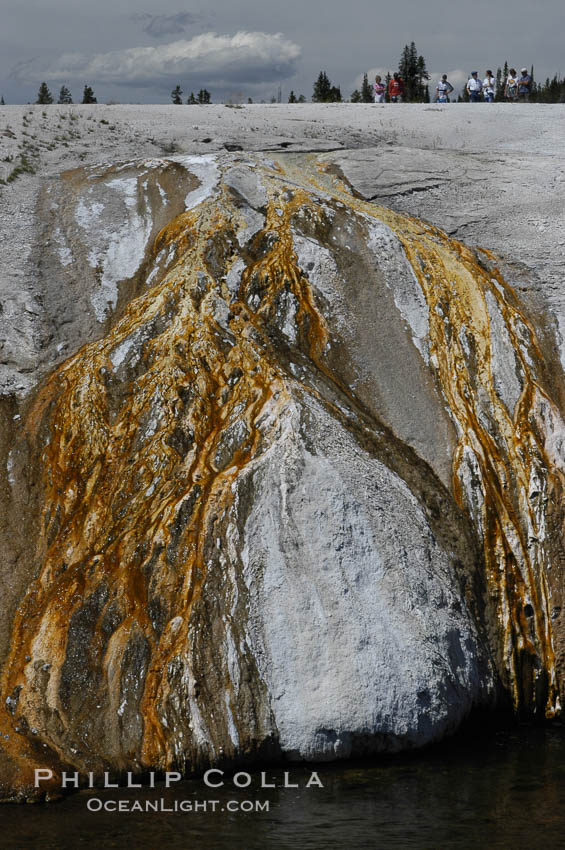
x=298, y=494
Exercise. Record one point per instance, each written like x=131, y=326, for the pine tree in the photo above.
x=556, y=89
x=412, y=69
x=499, y=90
x=388, y=78
x=324, y=92
x=191, y=100
x=203, y=96
x=423, y=77
x=366, y=91
x=44, y=95
x=88, y=95
x=533, y=86
x=408, y=70
x=2, y=103
x=176, y=95
x=65, y=95
x=322, y=88
x=301, y=98
x=292, y=97
x=356, y=96
x=501, y=78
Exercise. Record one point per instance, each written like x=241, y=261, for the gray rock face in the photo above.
x=296, y=491
x=506, y=196
x=356, y=620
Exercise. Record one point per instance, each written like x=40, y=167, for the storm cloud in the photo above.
x=246, y=57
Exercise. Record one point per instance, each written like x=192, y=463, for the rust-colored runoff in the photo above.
x=508, y=449
x=129, y=452
x=117, y=473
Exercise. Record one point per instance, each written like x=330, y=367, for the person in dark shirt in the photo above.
x=524, y=86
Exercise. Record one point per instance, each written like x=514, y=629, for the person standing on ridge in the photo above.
x=379, y=89
x=443, y=90
x=489, y=84
x=524, y=86
x=511, y=87
x=474, y=87
x=396, y=88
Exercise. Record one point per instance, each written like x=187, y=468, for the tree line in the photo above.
x=44, y=95
x=411, y=67
x=414, y=74
x=203, y=97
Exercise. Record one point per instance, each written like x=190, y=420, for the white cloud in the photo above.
x=246, y=57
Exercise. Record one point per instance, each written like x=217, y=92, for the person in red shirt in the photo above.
x=396, y=88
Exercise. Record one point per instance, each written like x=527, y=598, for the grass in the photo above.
x=24, y=167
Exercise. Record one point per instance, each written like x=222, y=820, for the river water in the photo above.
x=494, y=790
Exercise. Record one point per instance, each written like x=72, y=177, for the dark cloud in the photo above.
x=159, y=26
x=246, y=57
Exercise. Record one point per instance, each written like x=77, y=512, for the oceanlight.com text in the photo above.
x=161, y=806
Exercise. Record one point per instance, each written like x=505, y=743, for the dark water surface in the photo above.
x=497, y=790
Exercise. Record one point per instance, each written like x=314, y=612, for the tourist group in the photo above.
x=515, y=88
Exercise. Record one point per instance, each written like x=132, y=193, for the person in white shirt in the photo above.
x=511, y=87
x=489, y=84
x=474, y=87
x=443, y=90
x=379, y=90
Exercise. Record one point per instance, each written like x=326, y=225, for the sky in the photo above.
x=131, y=51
